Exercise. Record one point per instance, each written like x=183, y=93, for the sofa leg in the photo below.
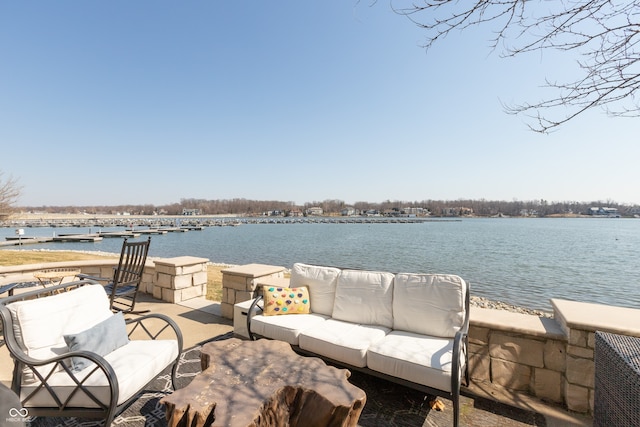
x=456, y=410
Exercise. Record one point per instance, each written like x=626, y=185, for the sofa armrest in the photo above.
x=460, y=348
x=459, y=352
x=255, y=307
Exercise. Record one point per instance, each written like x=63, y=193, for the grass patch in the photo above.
x=21, y=257
x=13, y=257
x=214, y=282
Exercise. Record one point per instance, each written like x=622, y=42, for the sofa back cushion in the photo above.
x=364, y=297
x=40, y=324
x=321, y=282
x=429, y=304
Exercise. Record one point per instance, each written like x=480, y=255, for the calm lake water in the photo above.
x=519, y=261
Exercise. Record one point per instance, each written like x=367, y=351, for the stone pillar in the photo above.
x=239, y=283
x=180, y=278
x=580, y=376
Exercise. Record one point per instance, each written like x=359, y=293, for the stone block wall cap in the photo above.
x=507, y=321
x=253, y=270
x=181, y=261
x=597, y=317
x=16, y=269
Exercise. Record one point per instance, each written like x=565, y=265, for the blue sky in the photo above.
x=119, y=102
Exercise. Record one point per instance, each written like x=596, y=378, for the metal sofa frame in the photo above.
x=460, y=347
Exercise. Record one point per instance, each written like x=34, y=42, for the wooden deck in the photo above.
x=95, y=237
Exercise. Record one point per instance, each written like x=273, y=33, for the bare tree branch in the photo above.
x=9, y=193
x=604, y=34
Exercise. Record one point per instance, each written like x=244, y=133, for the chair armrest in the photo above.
x=22, y=360
x=143, y=323
x=96, y=278
x=252, y=310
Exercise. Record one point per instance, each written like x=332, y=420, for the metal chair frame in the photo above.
x=23, y=362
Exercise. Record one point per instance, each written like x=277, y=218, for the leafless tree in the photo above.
x=9, y=193
x=604, y=34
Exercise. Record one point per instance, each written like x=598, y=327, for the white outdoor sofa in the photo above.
x=73, y=357
x=408, y=328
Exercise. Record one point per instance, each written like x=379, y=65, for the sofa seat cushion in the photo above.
x=343, y=341
x=285, y=328
x=364, y=298
x=321, y=282
x=418, y=358
x=134, y=364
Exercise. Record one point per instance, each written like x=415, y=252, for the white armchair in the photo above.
x=74, y=357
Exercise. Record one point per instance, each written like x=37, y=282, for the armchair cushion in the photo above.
x=39, y=325
x=101, y=339
x=134, y=365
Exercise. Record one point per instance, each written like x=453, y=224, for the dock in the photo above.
x=97, y=236
x=77, y=238
x=174, y=229
x=118, y=233
x=152, y=231
x=15, y=241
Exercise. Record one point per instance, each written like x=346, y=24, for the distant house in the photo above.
x=371, y=212
x=528, y=212
x=604, y=211
x=295, y=212
x=315, y=211
x=416, y=211
x=458, y=211
x=348, y=211
x=191, y=211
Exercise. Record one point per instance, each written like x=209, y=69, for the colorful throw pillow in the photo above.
x=278, y=300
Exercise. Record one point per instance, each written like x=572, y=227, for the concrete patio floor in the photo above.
x=200, y=320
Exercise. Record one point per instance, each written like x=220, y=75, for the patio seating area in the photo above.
x=387, y=404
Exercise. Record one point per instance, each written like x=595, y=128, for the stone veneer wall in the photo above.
x=239, y=283
x=169, y=279
x=579, y=322
x=551, y=359
x=518, y=353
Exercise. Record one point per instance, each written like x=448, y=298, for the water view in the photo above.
x=518, y=261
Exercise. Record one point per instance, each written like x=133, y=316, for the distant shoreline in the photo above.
x=78, y=217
